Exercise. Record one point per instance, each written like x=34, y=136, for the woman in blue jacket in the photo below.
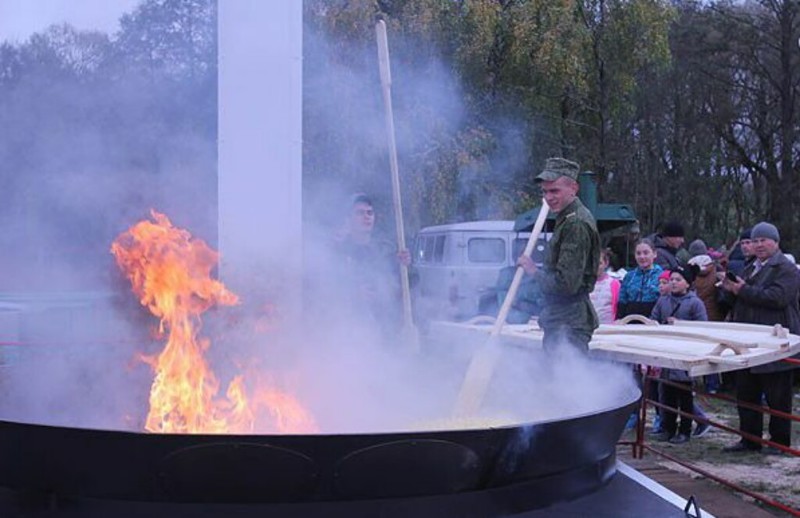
x=639, y=291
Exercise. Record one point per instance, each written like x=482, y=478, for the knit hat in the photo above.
x=765, y=230
x=555, y=168
x=701, y=261
x=698, y=247
x=672, y=229
x=689, y=273
x=745, y=233
x=665, y=275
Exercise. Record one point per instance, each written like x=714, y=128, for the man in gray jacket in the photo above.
x=767, y=293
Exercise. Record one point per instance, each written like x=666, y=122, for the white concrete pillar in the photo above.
x=260, y=139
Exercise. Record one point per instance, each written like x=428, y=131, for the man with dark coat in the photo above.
x=668, y=244
x=767, y=293
x=569, y=272
x=741, y=254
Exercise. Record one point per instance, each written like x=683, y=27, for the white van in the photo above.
x=459, y=263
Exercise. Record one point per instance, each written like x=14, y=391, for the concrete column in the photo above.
x=260, y=139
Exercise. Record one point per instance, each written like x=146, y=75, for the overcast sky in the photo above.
x=21, y=18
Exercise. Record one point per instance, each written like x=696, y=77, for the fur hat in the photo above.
x=765, y=230
x=701, y=261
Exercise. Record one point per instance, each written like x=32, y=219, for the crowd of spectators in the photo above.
x=753, y=282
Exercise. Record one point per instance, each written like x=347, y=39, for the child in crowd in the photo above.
x=664, y=286
x=639, y=291
x=681, y=304
x=605, y=295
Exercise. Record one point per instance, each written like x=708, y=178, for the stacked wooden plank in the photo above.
x=697, y=347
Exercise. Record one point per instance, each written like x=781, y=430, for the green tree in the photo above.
x=752, y=55
x=174, y=37
x=92, y=139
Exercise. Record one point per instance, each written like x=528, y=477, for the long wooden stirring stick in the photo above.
x=410, y=334
x=480, y=370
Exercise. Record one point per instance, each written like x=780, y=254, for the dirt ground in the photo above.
x=777, y=477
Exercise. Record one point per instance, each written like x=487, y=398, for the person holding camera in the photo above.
x=766, y=293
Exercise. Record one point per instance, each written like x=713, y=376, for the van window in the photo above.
x=429, y=245
x=438, y=249
x=419, y=251
x=486, y=250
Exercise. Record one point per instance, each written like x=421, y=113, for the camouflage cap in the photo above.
x=557, y=167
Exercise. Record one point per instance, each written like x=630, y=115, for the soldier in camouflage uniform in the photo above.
x=569, y=271
x=360, y=282
x=365, y=270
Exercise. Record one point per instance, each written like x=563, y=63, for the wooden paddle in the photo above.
x=479, y=373
x=410, y=335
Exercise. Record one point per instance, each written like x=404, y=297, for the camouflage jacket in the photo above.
x=570, y=271
x=364, y=281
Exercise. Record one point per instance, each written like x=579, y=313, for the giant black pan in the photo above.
x=563, y=458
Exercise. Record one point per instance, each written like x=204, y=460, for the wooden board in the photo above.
x=742, y=335
x=697, y=347
x=693, y=335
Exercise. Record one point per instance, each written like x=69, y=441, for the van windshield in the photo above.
x=430, y=249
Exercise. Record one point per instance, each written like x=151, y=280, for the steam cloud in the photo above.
x=81, y=331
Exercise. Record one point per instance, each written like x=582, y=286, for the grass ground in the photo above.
x=777, y=477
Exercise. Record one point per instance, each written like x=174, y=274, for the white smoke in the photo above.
x=78, y=364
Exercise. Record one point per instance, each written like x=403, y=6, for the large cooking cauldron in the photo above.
x=516, y=467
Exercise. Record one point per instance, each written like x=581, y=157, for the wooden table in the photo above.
x=697, y=347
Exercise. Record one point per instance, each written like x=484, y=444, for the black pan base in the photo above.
x=239, y=469
x=508, y=500
x=618, y=497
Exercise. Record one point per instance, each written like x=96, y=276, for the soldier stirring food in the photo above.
x=569, y=272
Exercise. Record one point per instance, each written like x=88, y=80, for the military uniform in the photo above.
x=369, y=271
x=569, y=272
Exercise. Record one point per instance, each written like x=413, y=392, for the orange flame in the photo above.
x=170, y=272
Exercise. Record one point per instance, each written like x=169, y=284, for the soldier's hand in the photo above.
x=404, y=257
x=527, y=264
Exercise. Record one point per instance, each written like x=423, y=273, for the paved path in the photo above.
x=710, y=496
